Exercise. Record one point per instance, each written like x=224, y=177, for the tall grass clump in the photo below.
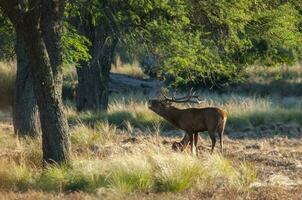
x=257, y=118
x=53, y=178
x=87, y=175
x=25, y=151
x=219, y=171
x=31, y=152
x=223, y=173
x=247, y=174
x=84, y=175
x=90, y=118
x=85, y=136
x=134, y=172
x=176, y=172
x=15, y=176
x=130, y=174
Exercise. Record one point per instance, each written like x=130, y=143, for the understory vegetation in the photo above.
x=144, y=170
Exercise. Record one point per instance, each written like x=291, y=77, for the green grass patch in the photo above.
x=275, y=115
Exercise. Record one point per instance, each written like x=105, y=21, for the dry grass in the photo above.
x=270, y=193
x=120, y=113
x=124, y=155
x=109, y=163
x=125, y=168
x=243, y=112
x=267, y=74
x=147, y=168
x=133, y=70
x=7, y=79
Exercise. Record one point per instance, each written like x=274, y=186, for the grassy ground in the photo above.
x=126, y=153
x=116, y=156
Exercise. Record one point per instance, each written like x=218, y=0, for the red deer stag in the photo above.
x=191, y=120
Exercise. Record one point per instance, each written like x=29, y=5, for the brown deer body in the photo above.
x=192, y=121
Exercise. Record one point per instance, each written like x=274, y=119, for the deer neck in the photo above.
x=170, y=114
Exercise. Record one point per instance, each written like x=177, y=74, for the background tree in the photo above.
x=25, y=109
x=92, y=19
x=107, y=23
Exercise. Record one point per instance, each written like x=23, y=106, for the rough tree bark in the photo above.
x=52, y=27
x=55, y=140
x=25, y=109
x=93, y=76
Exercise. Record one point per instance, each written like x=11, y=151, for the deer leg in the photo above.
x=220, y=133
x=192, y=144
x=221, y=141
x=195, y=139
x=213, y=139
x=182, y=144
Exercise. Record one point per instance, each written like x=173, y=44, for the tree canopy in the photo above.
x=209, y=41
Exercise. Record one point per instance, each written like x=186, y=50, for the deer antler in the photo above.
x=190, y=97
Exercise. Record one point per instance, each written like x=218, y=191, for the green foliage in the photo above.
x=196, y=42
x=7, y=39
x=199, y=42
x=193, y=62
x=218, y=39
x=75, y=46
x=276, y=36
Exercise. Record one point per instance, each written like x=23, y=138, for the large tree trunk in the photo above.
x=55, y=140
x=25, y=109
x=52, y=30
